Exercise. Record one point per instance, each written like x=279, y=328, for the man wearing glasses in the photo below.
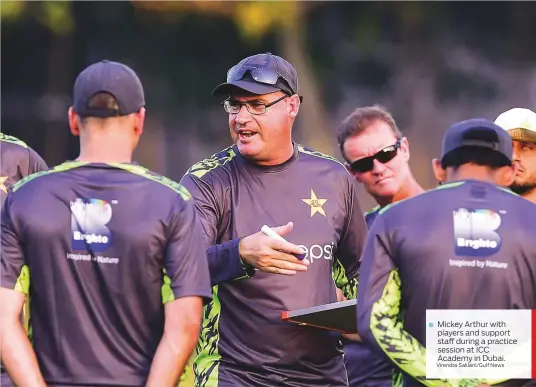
x=310, y=199
x=377, y=155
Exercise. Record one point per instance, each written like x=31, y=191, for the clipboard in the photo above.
x=337, y=316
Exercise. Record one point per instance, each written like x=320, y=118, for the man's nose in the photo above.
x=515, y=154
x=377, y=167
x=243, y=115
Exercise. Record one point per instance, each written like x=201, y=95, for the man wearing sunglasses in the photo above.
x=377, y=156
x=468, y=244
x=267, y=179
x=521, y=125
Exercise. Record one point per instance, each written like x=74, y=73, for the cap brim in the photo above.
x=251, y=87
x=520, y=134
x=506, y=159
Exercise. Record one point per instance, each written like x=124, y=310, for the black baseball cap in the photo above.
x=114, y=78
x=261, y=74
x=478, y=133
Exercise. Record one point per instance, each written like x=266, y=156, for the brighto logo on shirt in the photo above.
x=315, y=252
x=89, y=218
x=475, y=232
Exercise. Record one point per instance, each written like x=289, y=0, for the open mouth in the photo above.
x=246, y=134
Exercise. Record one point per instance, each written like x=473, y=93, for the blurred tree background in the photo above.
x=430, y=63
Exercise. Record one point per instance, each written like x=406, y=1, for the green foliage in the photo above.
x=55, y=15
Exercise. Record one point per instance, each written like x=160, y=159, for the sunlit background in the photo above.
x=429, y=63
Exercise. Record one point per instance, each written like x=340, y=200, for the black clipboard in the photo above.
x=337, y=316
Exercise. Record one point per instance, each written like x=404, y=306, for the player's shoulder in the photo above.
x=156, y=180
x=8, y=140
x=371, y=215
x=515, y=201
x=409, y=205
x=323, y=163
x=211, y=166
x=372, y=211
x=48, y=177
x=312, y=155
x=38, y=179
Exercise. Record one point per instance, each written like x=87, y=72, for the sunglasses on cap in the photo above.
x=383, y=156
x=259, y=73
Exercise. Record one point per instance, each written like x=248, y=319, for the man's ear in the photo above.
x=73, y=122
x=404, y=147
x=140, y=121
x=439, y=173
x=505, y=176
x=293, y=105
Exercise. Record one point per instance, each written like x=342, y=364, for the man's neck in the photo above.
x=281, y=158
x=104, y=155
x=409, y=188
x=470, y=172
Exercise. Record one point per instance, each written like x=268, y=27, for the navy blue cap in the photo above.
x=477, y=133
x=260, y=74
x=114, y=78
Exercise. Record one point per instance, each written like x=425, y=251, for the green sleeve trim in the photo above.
x=348, y=287
x=23, y=281
x=167, y=292
x=403, y=349
x=23, y=285
x=207, y=357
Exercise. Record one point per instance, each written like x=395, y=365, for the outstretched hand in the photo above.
x=271, y=255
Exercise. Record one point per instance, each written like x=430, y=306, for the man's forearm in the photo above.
x=225, y=264
x=170, y=360
x=19, y=358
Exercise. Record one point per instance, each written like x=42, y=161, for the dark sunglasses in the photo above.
x=384, y=156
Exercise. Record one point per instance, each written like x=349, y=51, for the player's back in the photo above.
x=95, y=239
x=467, y=245
x=470, y=245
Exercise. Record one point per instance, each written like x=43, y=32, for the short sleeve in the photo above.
x=14, y=273
x=185, y=260
x=35, y=162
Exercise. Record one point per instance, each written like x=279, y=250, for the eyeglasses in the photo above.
x=383, y=156
x=254, y=107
